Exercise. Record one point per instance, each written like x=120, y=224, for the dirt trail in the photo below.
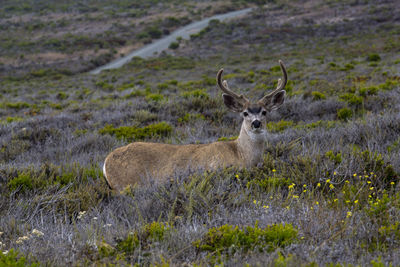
x=163, y=43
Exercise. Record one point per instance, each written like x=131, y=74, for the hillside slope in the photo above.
x=327, y=192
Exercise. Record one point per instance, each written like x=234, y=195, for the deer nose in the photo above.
x=256, y=124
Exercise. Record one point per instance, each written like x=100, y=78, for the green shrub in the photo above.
x=200, y=93
x=389, y=84
x=352, y=99
x=144, y=237
x=279, y=126
x=65, y=178
x=224, y=138
x=135, y=93
x=366, y=91
x=347, y=67
x=154, y=97
x=174, y=45
x=62, y=96
x=395, y=146
x=337, y=159
x=229, y=238
x=373, y=57
x=190, y=117
x=13, y=119
x=318, y=95
x=162, y=86
x=276, y=68
x=105, y=85
x=129, y=244
x=15, y=259
x=344, y=114
x=154, y=32
x=40, y=73
x=332, y=65
x=22, y=181
x=17, y=105
x=155, y=231
x=131, y=133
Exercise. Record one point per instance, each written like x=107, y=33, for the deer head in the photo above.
x=254, y=114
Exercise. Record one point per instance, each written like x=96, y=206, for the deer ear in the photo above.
x=232, y=103
x=276, y=100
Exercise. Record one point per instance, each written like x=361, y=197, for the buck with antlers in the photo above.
x=131, y=164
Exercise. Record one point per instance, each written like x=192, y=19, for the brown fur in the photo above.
x=136, y=162
x=130, y=164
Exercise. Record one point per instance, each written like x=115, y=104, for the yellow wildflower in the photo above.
x=319, y=184
x=356, y=201
x=331, y=186
x=349, y=214
x=295, y=196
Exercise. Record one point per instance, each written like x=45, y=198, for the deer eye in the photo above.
x=245, y=114
x=264, y=113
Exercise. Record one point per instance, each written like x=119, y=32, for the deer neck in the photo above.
x=251, y=146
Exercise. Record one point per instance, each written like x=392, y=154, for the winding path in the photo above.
x=163, y=43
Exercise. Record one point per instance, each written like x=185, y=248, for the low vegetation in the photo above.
x=327, y=193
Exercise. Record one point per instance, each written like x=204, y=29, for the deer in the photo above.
x=140, y=161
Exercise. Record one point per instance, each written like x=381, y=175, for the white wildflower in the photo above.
x=94, y=218
x=37, y=232
x=5, y=252
x=21, y=239
x=81, y=214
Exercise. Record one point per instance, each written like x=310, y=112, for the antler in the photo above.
x=224, y=87
x=281, y=83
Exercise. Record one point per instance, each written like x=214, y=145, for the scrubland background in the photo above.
x=327, y=193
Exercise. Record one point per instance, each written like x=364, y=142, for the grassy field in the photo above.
x=327, y=193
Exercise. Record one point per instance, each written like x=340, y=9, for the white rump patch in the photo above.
x=104, y=170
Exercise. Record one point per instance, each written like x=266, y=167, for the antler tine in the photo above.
x=224, y=87
x=281, y=83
